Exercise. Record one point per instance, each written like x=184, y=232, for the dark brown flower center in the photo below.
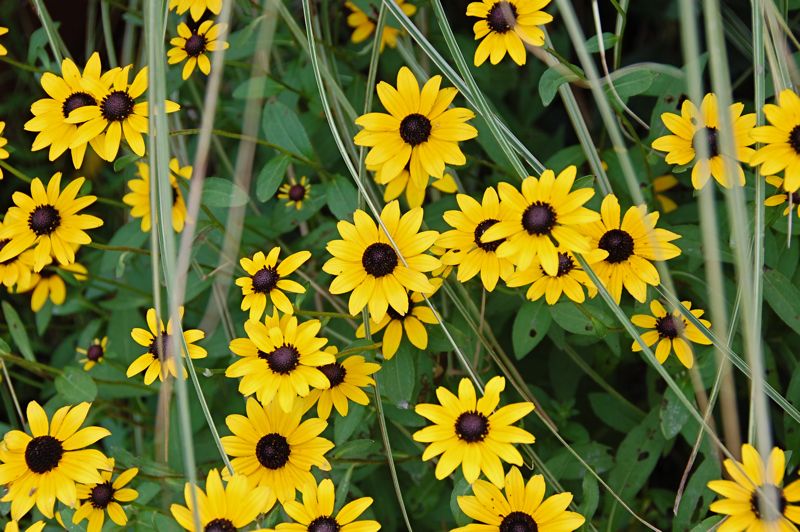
x=415, y=129
x=565, y=264
x=76, y=100
x=396, y=315
x=710, y=136
x=117, y=106
x=43, y=454
x=772, y=495
x=219, y=525
x=160, y=346
x=379, y=259
x=518, y=522
x=101, y=495
x=265, y=280
x=502, y=17
x=335, y=373
x=539, y=218
x=283, y=360
x=94, y=353
x=668, y=326
x=324, y=524
x=482, y=228
x=272, y=451
x=297, y=192
x=44, y=220
x=619, y=245
x=195, y=45
x=472, y=427
x=794, y=139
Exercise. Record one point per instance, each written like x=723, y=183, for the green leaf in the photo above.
x=609, y=40
x=283, y=128
x=636, y=457
x=218, y=192
x=76, y=386
x=695, y=491
x=4, y=348
x=397, y=378
x=18, y=333
x=125, y=161
x=271, y=176
x=530, y=327
x=569, y=317
x=461, y=488
x=342, y=197
x=673, y=414
x=344, y=427
x=551, y=80
x=784, y=298
x=257, y=87
x=631, y=82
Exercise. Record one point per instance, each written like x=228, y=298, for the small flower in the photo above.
x=94, y=354
x=685, y=128
x=193, y=46
x=671, y=331
x=662, y=184
x=3, y=142
x=196, y=7
x=159, y=357
x=266, y=281
x=48, y=283
x=139, y=196
x=507, y=26
x=105, y=497
x=222, y=508
x=3, y=50
x=46, y=465
x=294, y=193
x=570, y=279
x=364, y=26
x=473, y=434
x=316, y=512
x=49, y=220
x=782, y=196
x=346, y=378
x=13, y=526
x=782, y=139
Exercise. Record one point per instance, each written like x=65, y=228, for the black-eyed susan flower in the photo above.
x=13, y=526
x=222, y=508
x=193, y=46
x=782, y=140
x=671, y=331
x=275, y=449
x=346, y=379
x=631, y=245
x=46, y=464
x=519, y=507
x=105, y=497
x=196, y=8
x=507, y=26
x=464, y=245
x=49, y=283
x=364, y=26
x=66, y=93
x=412, y=190
x=14, y=270
x=3, y=50
x=472, y=434
x=544, y=214
x=317, y=512
x=266, y=281
x=93, y=354
x=419, y=132
x=782, y=196
x=49, y=220
x=295, y=192
x=570, y=279
x=754, y=498
x=3, y=141
x=366, y=263
x=159, y=357
x=139, y=196
x=694, y=126
x=115, y=113
x=661, y=184
x=413, y=321
x=280, y=359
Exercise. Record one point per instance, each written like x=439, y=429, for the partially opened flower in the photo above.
x=193, y=46
x=346, y=377
x=266, y=281
x=671, y=331
x=507, y=26
x=781, y=196
x=364, y=25
x=295, y=192
x=104, y=497
x=94, y=354
x=3, y=50
x=412, y=190
x=196, y=8
x=570, y=279
x=661, y=184
x=139, y=196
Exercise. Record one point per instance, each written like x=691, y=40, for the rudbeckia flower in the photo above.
x=570, y=279
x=671, y=331
x=266, y=281
x=13, y=526
x=295, y=192
x=139, y=196
x=48, y=283
x=105, y=497
x=364, y=26
x=779, y=198
x=14, y=270
x=3, y=142
x=507, y=26
x=782, y=139
x=661, y=184
x=94, y=354
x=346, y=378
x=412, y=190
x=196, y=8
x=193, y=46
x=3, y=50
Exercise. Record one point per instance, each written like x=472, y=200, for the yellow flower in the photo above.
x=48, y=283
x=13, y=526
x=105, y=496
x=294, y=193
x=680, y=146
x=317, y=512
x=364, y=25
x=158, y=342
x=570, y=279
x=66, y=93
x=465, y=247
x=780, y=198
x=631, y=244
x=139, y=196
x=345, y=379
x=660, y=185
x=367, y=263
x=275, y=449
x=522, y=507
x=49, y=220
x=544, y=214
x=419, y=132
x=94, y=354
x=196, y=7
x=266, y=280
x=507, y=26
x=192, y=46
x=671, y=331
x=222, y=508
x=782, y=139
x=45, y=465
x=755, y=498
x=473, y=434
x=3, y=50
x=280, y=359
x=414, y=190
x=13, y=270
x=3, y=142
x=116, y=115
